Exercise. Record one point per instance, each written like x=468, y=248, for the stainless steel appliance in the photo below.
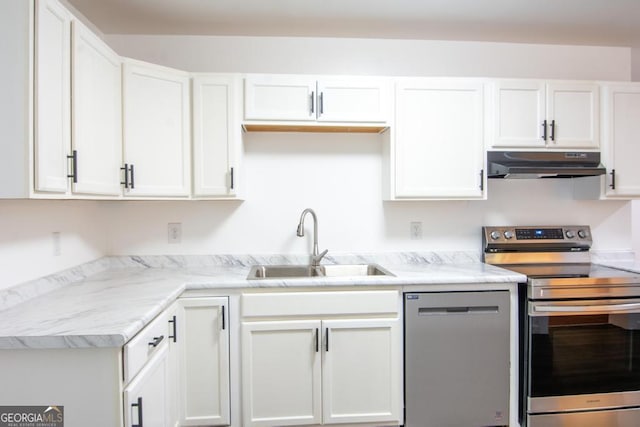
x=579, y=328
x=543, y=164
x=456, y=359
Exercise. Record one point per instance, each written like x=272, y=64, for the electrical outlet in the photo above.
x=174, y=230
x=415, y=230
x=57, y=246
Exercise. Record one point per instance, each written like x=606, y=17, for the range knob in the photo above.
x=495, y=235
x=582, y=234
x=570, y=234
x=508, y=234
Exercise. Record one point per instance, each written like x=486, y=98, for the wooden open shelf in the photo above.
x=312, y=128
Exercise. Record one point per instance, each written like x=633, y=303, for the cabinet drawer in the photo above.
x=319, y=303
x=145, y=344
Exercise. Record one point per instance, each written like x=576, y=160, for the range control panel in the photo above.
x=560, y=236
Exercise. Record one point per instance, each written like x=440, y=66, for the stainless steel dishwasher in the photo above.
x=456, y=359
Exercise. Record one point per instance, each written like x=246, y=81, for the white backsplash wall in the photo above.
x=339, y=176
x=27, y=243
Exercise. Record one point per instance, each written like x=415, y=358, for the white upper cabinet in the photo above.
x=216, y=136
x=277, y=97
x=78, y=144
x=157, y=134
x=96, y=115
x=622, y=142
x=354, y=99
x=52, y=108
x=438, y=148
x=537, y=114
x=307, y=99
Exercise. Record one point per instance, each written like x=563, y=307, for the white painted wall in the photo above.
x=26, y=242
x=338, y=175
x=376, y=56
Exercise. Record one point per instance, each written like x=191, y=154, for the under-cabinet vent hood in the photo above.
x=543, y=164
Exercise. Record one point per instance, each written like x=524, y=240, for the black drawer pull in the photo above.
x=156, y=341
x=139, y=406
x=173, y=337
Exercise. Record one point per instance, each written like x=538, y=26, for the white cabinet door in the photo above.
x=97, y=114
x=156, y=129
x=281, y=380
x=173, y=393
x=204, y=363
x=622, y=128
x=539, y=114
x=519, y=113
x=52, y=96
x=361, y=371
x=279, y=97
x=215, y=136
x=145, y=398
x=573, y=111
x=439, y=151
x=353, y=100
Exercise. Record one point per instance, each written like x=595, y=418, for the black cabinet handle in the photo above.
x=553, y=130
x=126, y=176
x=139, y=406
x=173, y=337
x=232, y=178
x=128, y=172
x=132, y=182
x=313, y=101
x=613, y=179
x=326, y=342
x=317, y=340
x=74, y=166
x=223, y=322
x=321, y=103
x=481, y=179
x=156, y=341
x=544, y=130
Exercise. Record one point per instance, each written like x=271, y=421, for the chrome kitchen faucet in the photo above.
x=315, y=257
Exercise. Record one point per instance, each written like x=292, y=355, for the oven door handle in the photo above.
x=602, y=308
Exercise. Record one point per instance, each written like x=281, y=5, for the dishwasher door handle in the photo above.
x=482, y=309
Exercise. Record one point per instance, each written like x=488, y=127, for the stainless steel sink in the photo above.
x=301, y=271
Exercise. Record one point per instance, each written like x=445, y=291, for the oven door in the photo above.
x=583, y=355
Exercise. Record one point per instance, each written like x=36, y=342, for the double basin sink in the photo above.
x=329, y=270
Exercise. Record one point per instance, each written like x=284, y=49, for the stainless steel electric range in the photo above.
x=579, y=328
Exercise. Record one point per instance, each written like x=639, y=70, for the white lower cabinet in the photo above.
x=281, y=373
x=146, y=398
x=203, y=339
x=327, y=370
x=359, y=371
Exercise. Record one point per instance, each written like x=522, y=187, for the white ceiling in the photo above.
x=582, y=22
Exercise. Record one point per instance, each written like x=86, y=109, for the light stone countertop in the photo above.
x=108, y=304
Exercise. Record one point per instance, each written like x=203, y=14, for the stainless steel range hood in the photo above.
x=543, y=164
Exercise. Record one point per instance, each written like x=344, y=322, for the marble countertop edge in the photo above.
x=108, y=301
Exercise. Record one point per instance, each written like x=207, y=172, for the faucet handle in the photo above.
x=317, y=258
